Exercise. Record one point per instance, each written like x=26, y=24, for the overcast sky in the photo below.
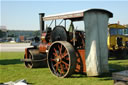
x=23, y=15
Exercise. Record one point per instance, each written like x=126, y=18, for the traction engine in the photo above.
x=61, y=50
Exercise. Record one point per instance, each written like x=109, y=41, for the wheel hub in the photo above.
x=57, y=59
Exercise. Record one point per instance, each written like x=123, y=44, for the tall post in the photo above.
x=42, y=25
x=96, y=24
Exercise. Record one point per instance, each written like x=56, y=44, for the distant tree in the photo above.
x=127, y=25
x=11, y=35
x=36, y=33
x=2, y=34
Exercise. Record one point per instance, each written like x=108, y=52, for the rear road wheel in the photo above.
x=61, y=59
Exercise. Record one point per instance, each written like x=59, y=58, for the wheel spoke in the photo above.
x=65, y=63
x=62, y=69
x=64, y=54
x=60, y=49
x=55, y=50
x=56, y=65
x=67, y=58
x=55, y=54
x=53, y=60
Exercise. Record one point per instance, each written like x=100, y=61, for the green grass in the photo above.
x=12, y=69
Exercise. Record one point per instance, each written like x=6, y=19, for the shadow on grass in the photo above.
x=117, y=58
x=10, y=61
x=78, y=75
x=113, y=68
x=111, y=59
x=105, y=76
x=116, y=67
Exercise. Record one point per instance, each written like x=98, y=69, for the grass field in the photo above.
x=12, y=69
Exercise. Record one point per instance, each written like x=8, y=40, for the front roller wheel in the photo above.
x=28, y=64
x=36, y=59
x=62, y=59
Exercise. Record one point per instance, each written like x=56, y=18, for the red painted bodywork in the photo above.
x=43, y=47
x=26, y=53
x=80, y=66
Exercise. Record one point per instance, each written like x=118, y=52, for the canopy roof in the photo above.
x=117, y=26
x=76, y=15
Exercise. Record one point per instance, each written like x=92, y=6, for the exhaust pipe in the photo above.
x=41, y=15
